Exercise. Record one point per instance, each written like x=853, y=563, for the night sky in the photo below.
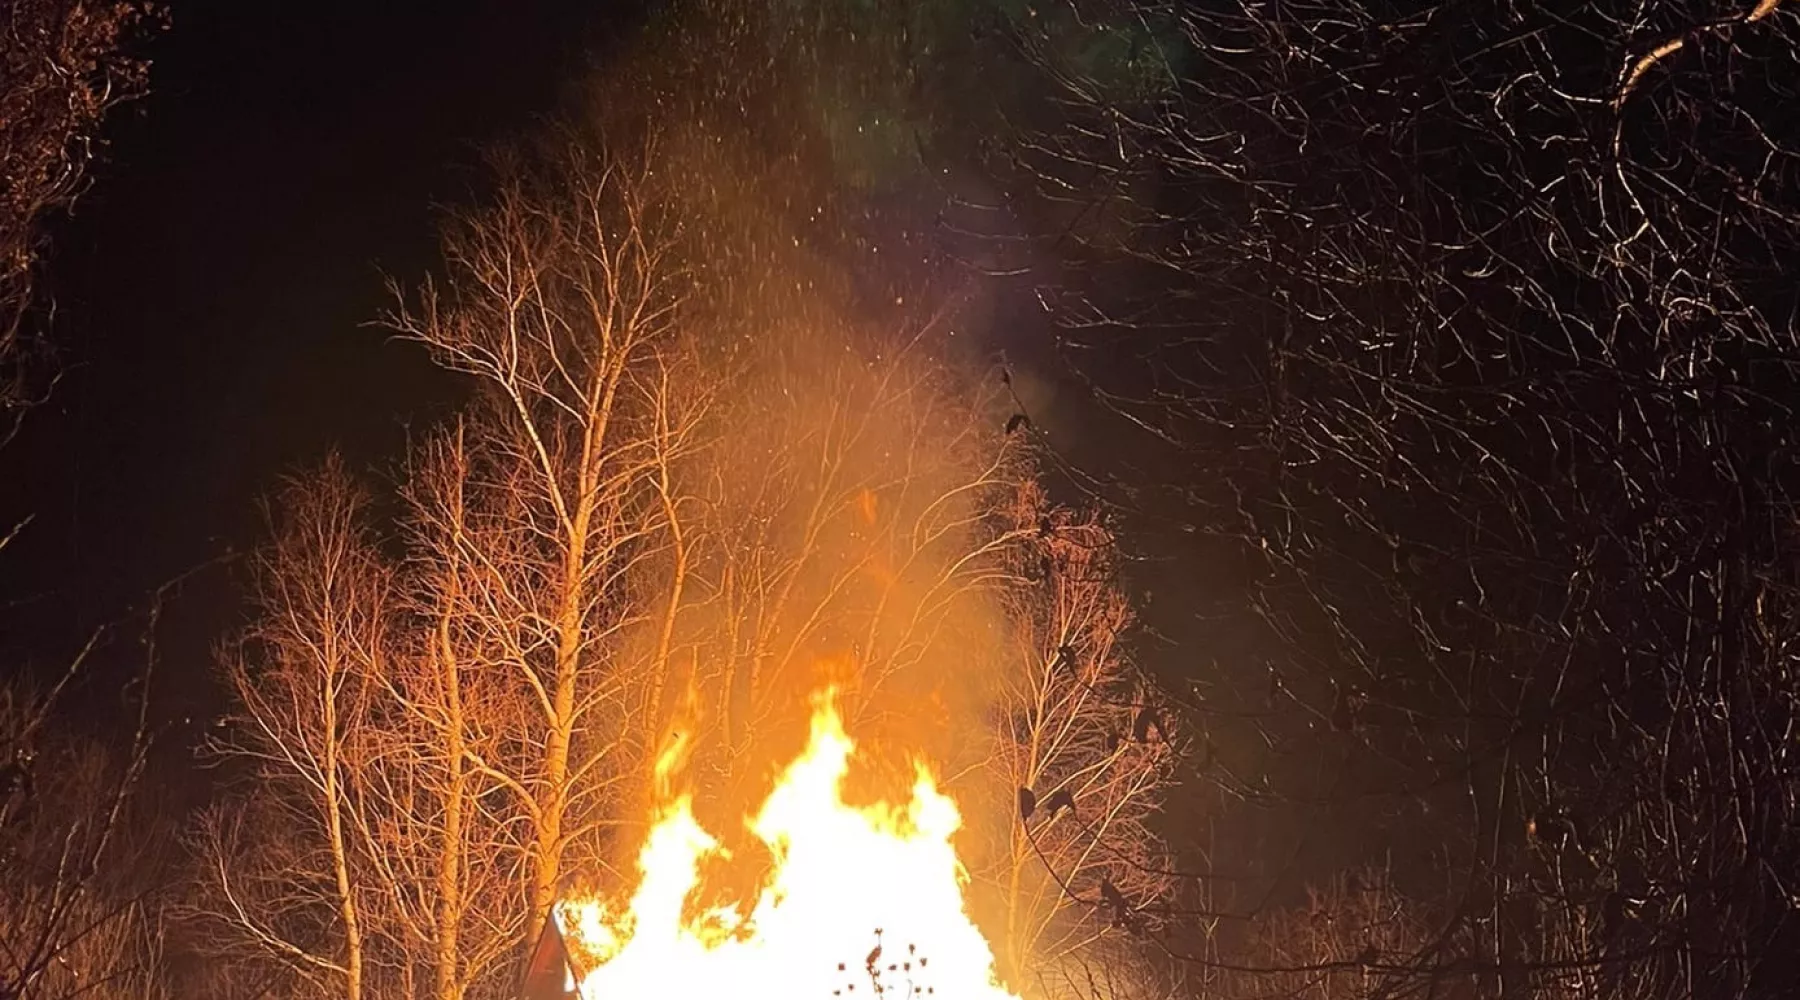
x=214, y=288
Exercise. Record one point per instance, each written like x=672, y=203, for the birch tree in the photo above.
x=559, y=303
x=285, y=866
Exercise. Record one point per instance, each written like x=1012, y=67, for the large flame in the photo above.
x=845, y=881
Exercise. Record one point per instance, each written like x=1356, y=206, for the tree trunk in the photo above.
x=450, y=904
x=555, y=774
x=340, y=855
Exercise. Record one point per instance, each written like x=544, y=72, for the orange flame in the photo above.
x=846, y=881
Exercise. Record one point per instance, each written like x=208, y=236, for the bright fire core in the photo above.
x=841, y=873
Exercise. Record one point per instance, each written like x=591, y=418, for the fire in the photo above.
x=861, y=901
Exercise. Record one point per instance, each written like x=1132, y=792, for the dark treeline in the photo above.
x=1458, y=348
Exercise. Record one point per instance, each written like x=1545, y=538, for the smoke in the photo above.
x=859, y=510
x=851, y=501
x=849, y=508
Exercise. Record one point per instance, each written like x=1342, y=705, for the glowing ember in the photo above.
x=840, y=874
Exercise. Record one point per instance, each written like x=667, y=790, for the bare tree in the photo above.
x=80, y=910
x=463, y=857
x=1458, y=362
x=374, y=851
x=435, y=736
x=1086, y=745
x=560, y=302
x=80, y=914
x=63, y=65
x=286, y=868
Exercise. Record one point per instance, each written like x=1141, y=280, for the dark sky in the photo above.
x=214, y=286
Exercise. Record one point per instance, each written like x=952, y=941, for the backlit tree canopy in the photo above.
x=639, y=556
